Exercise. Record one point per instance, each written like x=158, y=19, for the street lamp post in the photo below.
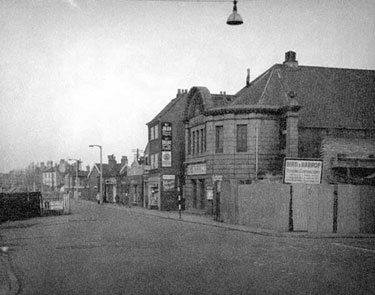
x=101, y=172
x=77, y=179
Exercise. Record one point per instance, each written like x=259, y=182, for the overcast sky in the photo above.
x=80, y=72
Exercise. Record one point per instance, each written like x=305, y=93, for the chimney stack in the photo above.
x=124, y=160
x=248, y=78
x=290, y=59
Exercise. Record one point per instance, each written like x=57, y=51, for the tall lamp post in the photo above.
x=101, y=172
x=77, y=179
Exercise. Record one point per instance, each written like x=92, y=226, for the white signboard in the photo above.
x=306, y=171
x=166, y=159
x=196, y=169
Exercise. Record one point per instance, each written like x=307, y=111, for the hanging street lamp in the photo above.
x=234, y=19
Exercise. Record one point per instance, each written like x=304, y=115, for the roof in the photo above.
x=106, y=171
x=167, y=108
x=353, y=148
x=330, y=97
x=200, y=100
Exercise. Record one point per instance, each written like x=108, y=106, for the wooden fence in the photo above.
x=312, y=208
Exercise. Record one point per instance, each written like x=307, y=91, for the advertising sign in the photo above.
x=308, y=171
x=168, y=182
x=166, y=144
x=196, y=169
x=210, y=193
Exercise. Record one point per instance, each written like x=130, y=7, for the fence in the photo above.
x=299, y=207
x=55, y=203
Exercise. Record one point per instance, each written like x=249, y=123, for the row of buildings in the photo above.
x=289, y=111
x=45, y=177
x=200, y=138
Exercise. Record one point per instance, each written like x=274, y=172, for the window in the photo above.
x=156, y=160
x=193, y=143
x=189, y=142
x=282, y=134
x=241, y=138
x=198, y=141
x=151, y=133
x=219, y=142
x=152, y=161
x=156, y=130
x=203, y=141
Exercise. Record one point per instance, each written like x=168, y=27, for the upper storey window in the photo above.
x=154, y=132
x=219, y=140
x=241, y=138
x=197, y=141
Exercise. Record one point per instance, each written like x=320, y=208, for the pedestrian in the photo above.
x=98, y=198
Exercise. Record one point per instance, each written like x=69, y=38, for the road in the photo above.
x=115, y=250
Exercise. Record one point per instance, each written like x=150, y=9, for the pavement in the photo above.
x=10, y=286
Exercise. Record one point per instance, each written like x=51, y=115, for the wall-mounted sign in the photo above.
x=166, y=144
x=196, y=169
x=168, y=182
x=308, y=171
x=210, y=193
x=166, y=159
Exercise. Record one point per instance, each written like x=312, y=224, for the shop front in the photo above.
x=196, y=187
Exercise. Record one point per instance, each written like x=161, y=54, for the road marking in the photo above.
x=354, y=248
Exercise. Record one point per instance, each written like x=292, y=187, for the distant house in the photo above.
x=113, y=173
x=135, y=183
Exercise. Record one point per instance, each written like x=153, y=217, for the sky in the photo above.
x=81, y=72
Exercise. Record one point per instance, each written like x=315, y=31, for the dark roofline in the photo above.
x=166, y=108
x=278, y=65
x=247, y=109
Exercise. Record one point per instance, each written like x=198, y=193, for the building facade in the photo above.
x=165, y=155
x=286, y=112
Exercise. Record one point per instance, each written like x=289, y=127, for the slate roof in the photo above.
x=330, y=97
x=166, y=108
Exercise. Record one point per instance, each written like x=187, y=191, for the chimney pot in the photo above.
x=248, y=78
x=290, y=59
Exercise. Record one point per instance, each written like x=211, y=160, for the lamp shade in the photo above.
x=234, y=18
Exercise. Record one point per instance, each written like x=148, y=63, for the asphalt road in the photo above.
x=109, y=250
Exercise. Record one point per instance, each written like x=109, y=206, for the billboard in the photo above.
x=308, y=171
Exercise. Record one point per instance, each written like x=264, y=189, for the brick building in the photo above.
x=286, y=112
x=165, y=154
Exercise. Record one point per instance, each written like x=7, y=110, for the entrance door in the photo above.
x=202, y=198
x=195, y=196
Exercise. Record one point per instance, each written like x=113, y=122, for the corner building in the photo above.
x=165, y=154
x=288, y=111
